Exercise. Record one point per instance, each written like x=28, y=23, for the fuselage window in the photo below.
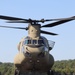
x=27, y=42
x=41, y=42
x=34, y=42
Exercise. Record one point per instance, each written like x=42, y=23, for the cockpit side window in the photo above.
x=27, y=42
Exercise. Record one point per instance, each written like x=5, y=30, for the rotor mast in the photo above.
x=34, y=30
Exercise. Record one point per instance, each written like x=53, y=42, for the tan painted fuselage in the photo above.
x=33, y=55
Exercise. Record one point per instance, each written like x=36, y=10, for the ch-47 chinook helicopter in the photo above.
x=34, y=49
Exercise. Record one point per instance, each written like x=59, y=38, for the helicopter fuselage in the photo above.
x=33, y=55
x=33, y=52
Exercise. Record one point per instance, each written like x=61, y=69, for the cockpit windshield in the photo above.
x=33, y=42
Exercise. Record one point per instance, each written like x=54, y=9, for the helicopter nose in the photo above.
x=35, y=46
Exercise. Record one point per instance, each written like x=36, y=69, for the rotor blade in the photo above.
x=14, y=27
x=73, y=17
x=49, y=33
x=17, y=21
x=10, y=18
x=59, y=22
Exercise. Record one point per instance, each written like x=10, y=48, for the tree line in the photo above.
x=7, y=68
x=64, y=67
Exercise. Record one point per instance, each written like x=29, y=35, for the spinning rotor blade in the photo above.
x=60, y=19
x=59, y=22
x=14, y=27
x=10, y=18
x=17, y=21
x=21, y=20
x=50, y=33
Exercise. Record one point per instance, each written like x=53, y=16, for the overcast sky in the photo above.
x=64, y=48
